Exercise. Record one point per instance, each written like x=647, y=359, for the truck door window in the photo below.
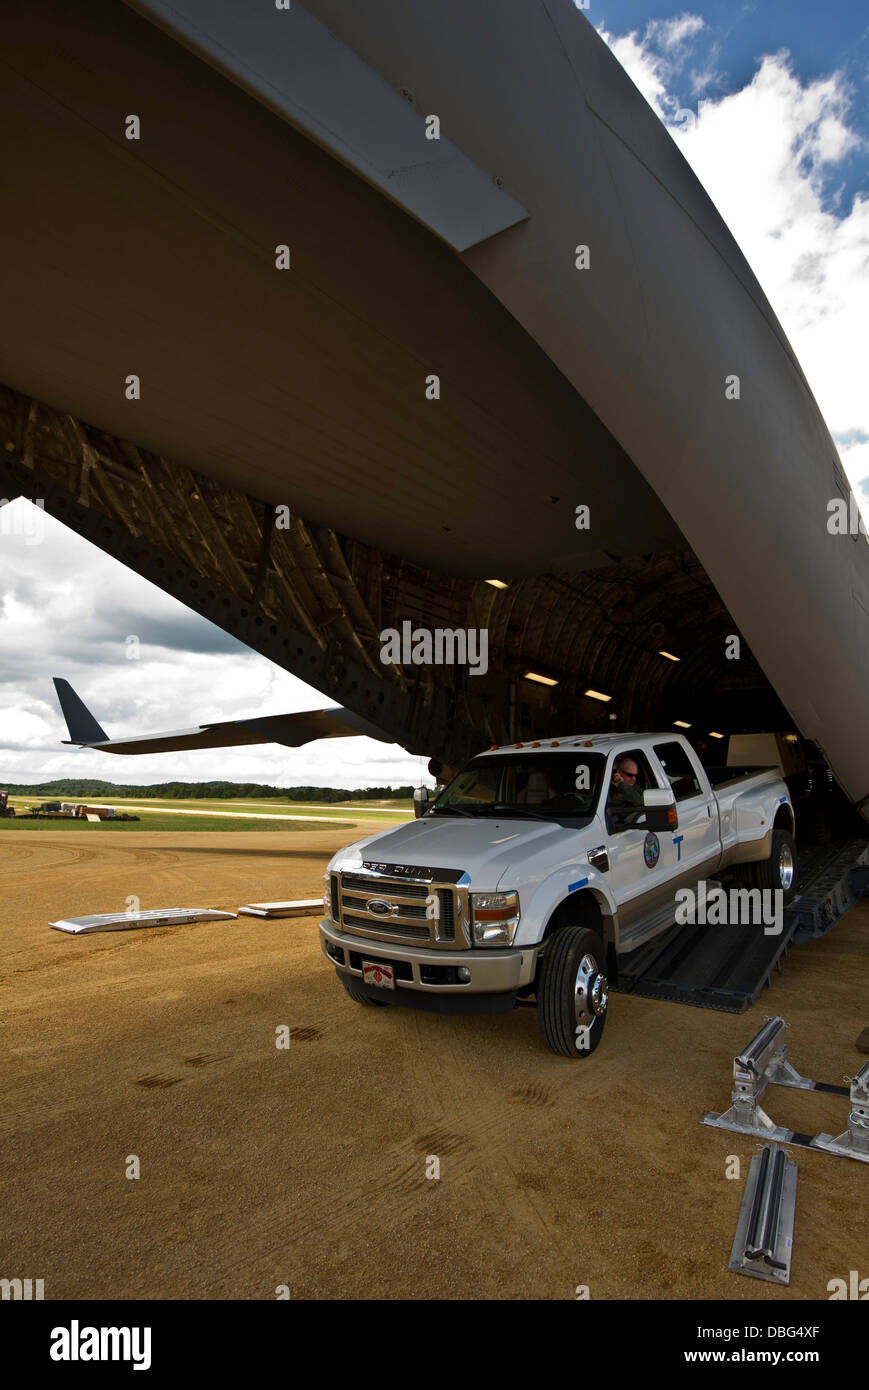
x=624, y=801
x=679, y=770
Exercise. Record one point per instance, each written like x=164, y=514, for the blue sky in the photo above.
x=819, y=36
x=778, y=134
x=724, y=55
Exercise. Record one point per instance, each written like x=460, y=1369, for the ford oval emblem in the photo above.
x=378, y=906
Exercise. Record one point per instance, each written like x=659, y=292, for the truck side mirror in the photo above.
x=660, y=807
x=420, y=801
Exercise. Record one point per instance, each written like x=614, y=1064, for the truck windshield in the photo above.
x=548, y=786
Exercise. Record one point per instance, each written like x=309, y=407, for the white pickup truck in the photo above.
x=541, y=865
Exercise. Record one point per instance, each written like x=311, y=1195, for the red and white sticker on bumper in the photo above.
x=376, y=974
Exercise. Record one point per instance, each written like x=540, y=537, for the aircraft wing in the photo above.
x=292, y=730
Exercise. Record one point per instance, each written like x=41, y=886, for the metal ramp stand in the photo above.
x=764, y=1236
x=854, y=1141
x=764, y=1063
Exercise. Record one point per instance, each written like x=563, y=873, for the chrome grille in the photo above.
x=371, y=883
x=351, y=922
x=413, y=910
x=408, y=902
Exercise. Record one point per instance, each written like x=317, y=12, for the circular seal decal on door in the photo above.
x=651, y=850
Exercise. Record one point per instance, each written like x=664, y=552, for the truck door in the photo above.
x=696, y=842
x=642, y=863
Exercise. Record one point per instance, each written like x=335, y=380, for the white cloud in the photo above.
x=645, y=68
x=651, y=61
x=767, y=156
x=67, y=609
x=855, y=460
x=672, y=34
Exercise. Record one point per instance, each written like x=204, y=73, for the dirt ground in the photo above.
x=307, y=1167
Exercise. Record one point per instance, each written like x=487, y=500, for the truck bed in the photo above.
x=719, y=775
x=725, y=779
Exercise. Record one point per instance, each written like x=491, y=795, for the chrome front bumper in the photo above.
x=492, y=971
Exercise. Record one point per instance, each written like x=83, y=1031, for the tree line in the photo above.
x=72, y=787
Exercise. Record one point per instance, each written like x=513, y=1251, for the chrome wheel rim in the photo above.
x=785, y=867
x=590, y=994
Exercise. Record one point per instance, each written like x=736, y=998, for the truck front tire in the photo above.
x=572, y=992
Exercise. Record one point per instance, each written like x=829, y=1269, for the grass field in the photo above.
x=140, y=806
x=222, y=810
x=385, y=805
x=403, y=808
x=164, y=821
x=208, y=814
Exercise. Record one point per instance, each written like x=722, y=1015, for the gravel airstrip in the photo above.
x=306, y=1167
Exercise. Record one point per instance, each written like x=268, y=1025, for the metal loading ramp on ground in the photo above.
x=725, y=967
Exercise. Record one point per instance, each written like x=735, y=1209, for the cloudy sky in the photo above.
x=769, y=103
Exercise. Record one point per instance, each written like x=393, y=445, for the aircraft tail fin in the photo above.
x=82, y=726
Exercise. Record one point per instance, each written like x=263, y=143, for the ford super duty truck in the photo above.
x=539, y=867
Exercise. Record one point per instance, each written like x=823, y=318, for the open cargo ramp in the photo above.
x=726, y=967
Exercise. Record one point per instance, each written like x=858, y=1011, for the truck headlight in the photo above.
x=327, y=895
x=495, y=917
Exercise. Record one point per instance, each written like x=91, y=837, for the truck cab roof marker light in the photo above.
x=680, y=724
x=541, y=680
x=597, y=695
x=669, y=656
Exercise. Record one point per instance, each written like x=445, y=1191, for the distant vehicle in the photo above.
x=530, y=874
x=5, y=808
x=79, y=810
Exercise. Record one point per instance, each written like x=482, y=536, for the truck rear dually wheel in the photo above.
x=780, y=870
x=572, y=992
